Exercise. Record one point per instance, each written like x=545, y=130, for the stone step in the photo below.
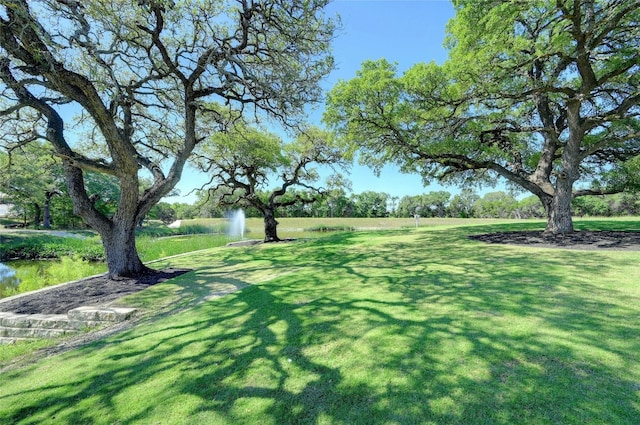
x=46, y=321
x=9, y=332
x=11, y=340
x=101, y=314
x=21, y=326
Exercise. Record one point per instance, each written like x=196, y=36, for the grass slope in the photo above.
x=388, y=327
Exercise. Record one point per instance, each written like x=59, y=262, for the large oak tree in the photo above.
x=137, y=75
x=251, y=168
x=30, y=179
x=543, y=93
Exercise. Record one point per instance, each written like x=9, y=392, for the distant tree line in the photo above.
x=466, y=204
x=44, y=202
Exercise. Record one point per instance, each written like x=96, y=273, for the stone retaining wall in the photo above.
x=34, y=326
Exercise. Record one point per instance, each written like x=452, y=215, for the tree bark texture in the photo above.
x=121, y=252
x=559, y=221
x=117, y=233
x=270, y=226
x=46, y=221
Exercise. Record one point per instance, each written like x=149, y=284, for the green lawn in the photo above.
x=382, y=327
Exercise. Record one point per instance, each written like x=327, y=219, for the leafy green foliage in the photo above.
x=251, y=168
x=329, y=228
x=541, y=93
x=30, y=177
x=371, y=204
x=46, y=246
x=141, y=74
x=163, y=212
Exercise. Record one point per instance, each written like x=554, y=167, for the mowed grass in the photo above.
x=35, y=275
x=383, y=327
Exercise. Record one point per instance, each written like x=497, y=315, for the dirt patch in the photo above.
x=583, y=240
x=93, y=291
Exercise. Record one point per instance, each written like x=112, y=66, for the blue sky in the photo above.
x=402, y=31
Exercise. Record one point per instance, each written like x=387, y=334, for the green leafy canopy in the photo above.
x=544, y=94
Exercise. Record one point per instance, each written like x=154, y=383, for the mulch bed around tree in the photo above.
x=93, y=291
x=584, y=240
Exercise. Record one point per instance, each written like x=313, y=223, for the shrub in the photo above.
x=335, y=228
x=195, y=229
x=44, y=247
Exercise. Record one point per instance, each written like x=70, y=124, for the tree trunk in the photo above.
x=270, y=226
x=121, y=252
x=48, y=195
x=559, y=221
x=118, y=232
x=46, y=221
x=37, y=212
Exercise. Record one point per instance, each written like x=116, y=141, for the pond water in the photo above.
x=8, y=279
x=36, y=274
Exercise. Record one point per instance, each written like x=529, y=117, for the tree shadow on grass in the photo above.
x=361, y=335
x=562, y=349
